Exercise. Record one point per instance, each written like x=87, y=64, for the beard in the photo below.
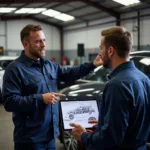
x=106, y=65
x=37, y=53
x=106, y=61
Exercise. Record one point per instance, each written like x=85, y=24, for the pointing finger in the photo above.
x=59, y=94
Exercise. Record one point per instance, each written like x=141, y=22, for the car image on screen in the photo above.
x=87, y=110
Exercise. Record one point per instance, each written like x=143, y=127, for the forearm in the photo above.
x=101, y=140
x=16, y=103
x=76, y=72
x=92, y=140
x=84, y=69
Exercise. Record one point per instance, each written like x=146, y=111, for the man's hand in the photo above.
x=98, y=61
x=94, y=122
x=51, y=98
x=77, y=131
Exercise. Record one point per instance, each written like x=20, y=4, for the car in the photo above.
x=92, y=86
x=4, y=61
x=86, y=111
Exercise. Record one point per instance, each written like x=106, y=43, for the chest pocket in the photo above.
x=52, y=81
x=32, y=84
x=32, y=80
x=52, y=78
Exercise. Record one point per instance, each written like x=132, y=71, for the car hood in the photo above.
x=86, y=89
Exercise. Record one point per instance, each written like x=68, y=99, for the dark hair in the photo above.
x=25, y=32
x=119, y=38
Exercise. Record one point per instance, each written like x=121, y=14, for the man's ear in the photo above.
x=111, y=51
x=25, y=43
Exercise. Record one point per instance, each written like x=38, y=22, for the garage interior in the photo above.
x=69, y=42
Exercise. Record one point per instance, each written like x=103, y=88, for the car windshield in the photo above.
x=101, y=73
x=142, y=63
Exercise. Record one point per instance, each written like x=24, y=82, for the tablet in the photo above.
x=78, y=111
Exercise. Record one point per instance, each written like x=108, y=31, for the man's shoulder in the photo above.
x=128, y=77
x=14, y=64
x=50, y=62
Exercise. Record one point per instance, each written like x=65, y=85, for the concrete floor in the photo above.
x=6, y=131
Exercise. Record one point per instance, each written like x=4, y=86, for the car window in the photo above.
x=143, y=64
x=100, y=74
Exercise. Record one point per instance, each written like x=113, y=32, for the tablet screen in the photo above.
x=80, y=112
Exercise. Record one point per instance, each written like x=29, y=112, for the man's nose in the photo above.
x=100, y=54
x=43, y=43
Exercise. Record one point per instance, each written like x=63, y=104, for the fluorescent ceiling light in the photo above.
x=36, y=10
x=51, y=13
x=127, y=2
x=64, y=17
x=6, y=9
x=57, y=15
x=24, y=10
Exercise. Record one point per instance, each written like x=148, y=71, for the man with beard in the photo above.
x=29, y=91
x=124, y=120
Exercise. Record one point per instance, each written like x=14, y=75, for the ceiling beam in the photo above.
x=77, y=17
x=31, y=1
x=100, y=7
x=5, y=18
x=51, y=7
x=47, y=22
